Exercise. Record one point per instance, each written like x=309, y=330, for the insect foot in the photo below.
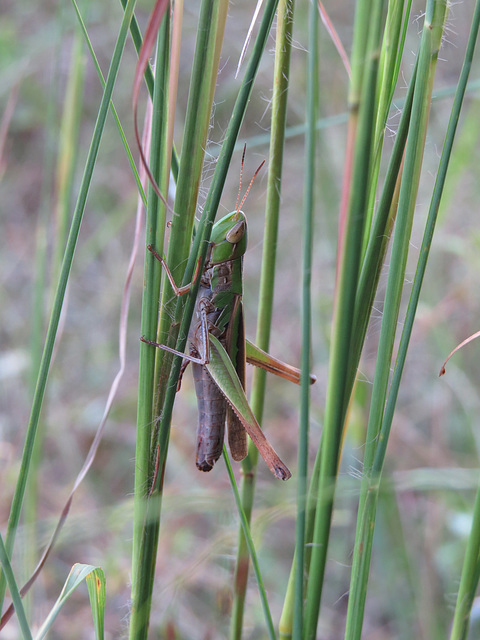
x=282, y=473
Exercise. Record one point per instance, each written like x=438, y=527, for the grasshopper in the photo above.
x=219, y=350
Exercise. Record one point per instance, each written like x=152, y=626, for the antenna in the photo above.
x=241, y=176
x=237, y=207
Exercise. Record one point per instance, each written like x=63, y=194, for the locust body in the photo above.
x=218, y=312
x=219, y=350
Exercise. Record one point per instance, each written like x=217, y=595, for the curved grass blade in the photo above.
x=96, y=591
x=459, y=346
x=95, y=579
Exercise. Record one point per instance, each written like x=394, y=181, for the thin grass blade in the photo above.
x=267, y=283
x=251, y=547
x=62, y=285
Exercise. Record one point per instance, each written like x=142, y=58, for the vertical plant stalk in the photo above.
x=307, y=223
x=371, y=269
x=149, y=453
x=202, y=85
x=162, y=360
x=61, y=288
x=150, y=510
x=470, y=572
x=144, y=546
x=347, y=283
x=7, y=572
x=469, y=579
x=183, y=314
x=292, y=614
x=431, y=38
x=392, y=52
x=266, y=290
x=363, y=10
x=177, y=21
x=250, y=546
x=184, y=311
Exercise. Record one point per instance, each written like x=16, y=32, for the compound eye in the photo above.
x=236, y=233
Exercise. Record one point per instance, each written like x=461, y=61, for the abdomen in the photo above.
x=211, y=419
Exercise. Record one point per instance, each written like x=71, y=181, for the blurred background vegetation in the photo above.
x=434, y=449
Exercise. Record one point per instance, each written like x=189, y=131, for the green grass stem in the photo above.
x=307, y=257
x=247, y=536
x=7, y=573
x=146, y=520
x=469, y=578
x=392, y=52
x=266, y=289
x=148, y=537
x=151, y=454
x=350, y=253
x=200, y=98
x=408, y=191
